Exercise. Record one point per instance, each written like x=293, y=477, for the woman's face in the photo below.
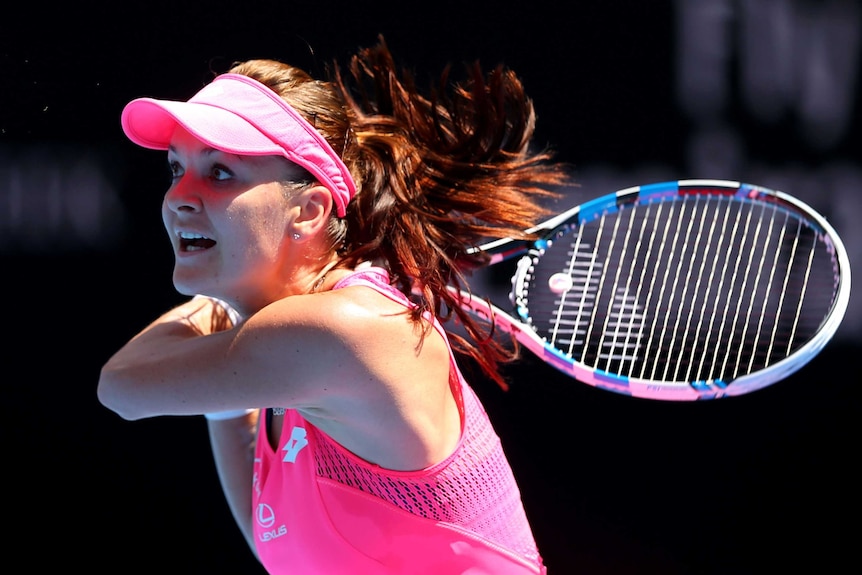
x=228, y=218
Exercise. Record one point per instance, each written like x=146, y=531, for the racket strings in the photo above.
x=667, y=289
x=602, y=277
x=720, y=309
x=803, y=289
x=615, y=344
x=637, y=314
x=771, y=268
x=694, y=370
x=699, y=287
x=682, y=274
x=563, y=324
x=703, y=289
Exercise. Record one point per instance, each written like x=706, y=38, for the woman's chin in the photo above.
x=187, y=285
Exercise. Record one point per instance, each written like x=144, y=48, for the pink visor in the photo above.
x=239, y=115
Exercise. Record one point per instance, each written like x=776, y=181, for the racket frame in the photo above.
x=518, y=325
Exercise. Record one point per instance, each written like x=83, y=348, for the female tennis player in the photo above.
x=316, y=226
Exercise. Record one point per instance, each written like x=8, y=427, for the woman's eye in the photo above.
x=175, y=170
x=221, y=173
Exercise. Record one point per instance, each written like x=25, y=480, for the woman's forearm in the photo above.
x=150, y=374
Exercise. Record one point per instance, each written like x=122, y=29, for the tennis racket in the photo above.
x=683, y=290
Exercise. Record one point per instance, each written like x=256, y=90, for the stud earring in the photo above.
x=296, y=236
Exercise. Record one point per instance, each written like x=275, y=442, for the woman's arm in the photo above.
x=232, y=442
x=296, y=352
x=145, y=377
x=340, y=357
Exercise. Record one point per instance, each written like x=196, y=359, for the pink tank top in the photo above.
x=321, y=510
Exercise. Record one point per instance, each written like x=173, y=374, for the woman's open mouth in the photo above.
x=191, y=242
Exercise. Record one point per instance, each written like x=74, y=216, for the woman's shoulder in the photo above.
x=356, y=309
x=363, y=294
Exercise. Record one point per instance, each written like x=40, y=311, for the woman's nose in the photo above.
x=182, y=196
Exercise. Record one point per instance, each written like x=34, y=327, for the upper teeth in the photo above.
x=190, y=236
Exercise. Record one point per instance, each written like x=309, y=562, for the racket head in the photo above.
x=683, y=290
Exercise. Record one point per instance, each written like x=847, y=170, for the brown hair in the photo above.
x=436, y=175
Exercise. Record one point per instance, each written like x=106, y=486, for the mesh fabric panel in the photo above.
x=474, y=488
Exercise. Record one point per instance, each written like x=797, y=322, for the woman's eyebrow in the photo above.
x=204, y=150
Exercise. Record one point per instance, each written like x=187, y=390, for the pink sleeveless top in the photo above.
x=321, y=510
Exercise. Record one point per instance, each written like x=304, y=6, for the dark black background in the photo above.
x=756, y=484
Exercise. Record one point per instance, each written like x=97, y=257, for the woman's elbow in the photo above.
x=112, y=394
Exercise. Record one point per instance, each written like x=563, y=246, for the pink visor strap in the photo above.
x=239, y=115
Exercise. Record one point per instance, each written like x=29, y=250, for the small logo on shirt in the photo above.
x=295, y=444
x=265, y=517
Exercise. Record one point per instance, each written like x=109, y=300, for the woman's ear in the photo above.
x=315, y=204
